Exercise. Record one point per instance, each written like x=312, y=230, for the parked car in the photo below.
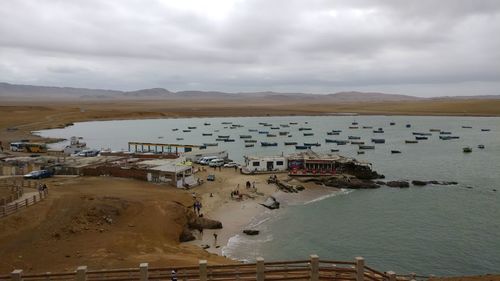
x=210, y=177
x=88, y=153
x=206, y=160
x=231, y=165
x=38, y=174
x=216, y=163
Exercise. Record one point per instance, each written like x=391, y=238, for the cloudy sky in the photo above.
x=423, y=48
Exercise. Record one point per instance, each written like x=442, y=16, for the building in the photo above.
x=176, y=172
x=309, y=163
x=196, y=155
x=264, y=164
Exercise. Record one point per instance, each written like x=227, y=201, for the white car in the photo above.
x=216, y=163
x=231, y=165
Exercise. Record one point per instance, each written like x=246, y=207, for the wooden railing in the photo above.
x=20, y=204
x=313, y=269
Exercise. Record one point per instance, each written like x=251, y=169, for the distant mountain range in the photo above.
x=24, y=92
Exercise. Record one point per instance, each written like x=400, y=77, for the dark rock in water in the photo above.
x=419, y=183
x=469, y=187
x=380, y=182
x=205, y=246
x=250, y=232
x=400, y=184
x=381, y=177
x=443, y=182
x=494, y=190
x=350, y=183
x=186, y=236
x=271, y=203
x=300, y=188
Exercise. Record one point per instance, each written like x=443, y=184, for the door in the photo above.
x=270, y=165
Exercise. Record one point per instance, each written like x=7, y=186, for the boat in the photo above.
x=467, y=127
x=408, y=125
x=268, y=125
x=435, y=130
x=271, y=135
x=206, y=134
x=421, y=138
x=312, y=144
x=467, y=149
x=290, y=143
x=293, y=123
x=226, y=123
x=252, y=130
x=395, y=151
x=361, y=152
x=275, y=128
x=245, y=136
x=283, y=133
x=268, y=143
x=223, y=137
x=378, y=131
x=448, y=137
x=263, y=132
x=284, y=125
x=308, y=134
x=485, y=130
x=354, y=137
x=302, y=147
x=378, y=140
x=179, y=138
x=305, y=129
x=331, y=141
x=336, y=131
x=334, y=150
x=250, y=141
x=206, y=124
x=421, y=134
x=211, y=144
x=481, y=146
x=175, y=129
x=332, y=133
x=411, y=141
x=219, y=139
x=249, y=145
x=341, y=142
x=445, y=133
x=353, y=127
x=357, y=142
x=192, y=128
x=354, y=123
x=186, y=131
x=228, y=140
x=367, y=127
x=392, y=123
x=366, y=147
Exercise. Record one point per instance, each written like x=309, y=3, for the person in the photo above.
x=174, y=275
x=253, y=184
x=215, y=239
x=220, y=168
x=200, y=229
x=235, y=168
x=211, y=194
x=45, y=189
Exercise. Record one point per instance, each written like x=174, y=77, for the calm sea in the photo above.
x=441, y=230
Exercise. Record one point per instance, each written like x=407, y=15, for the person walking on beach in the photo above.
x=174, y=275
x=215, y=239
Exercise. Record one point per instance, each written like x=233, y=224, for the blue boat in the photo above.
x=268, y=143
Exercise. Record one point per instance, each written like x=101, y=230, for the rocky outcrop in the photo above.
x=186, y=235
x=350, y=183
x=251, y=232
x=418, y=183
x=271, y=203
x=400, y=184
x=204, y=223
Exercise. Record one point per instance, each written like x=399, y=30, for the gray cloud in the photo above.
x=412, y=47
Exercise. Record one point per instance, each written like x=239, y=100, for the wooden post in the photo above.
x=34, y=199
x=260, y=269
x=81, y=273
x=16, y=275
x=16, y=206
x=143, y=271
x=360, y=268
x=203, y=270
x=392, y=275
x=314, y=268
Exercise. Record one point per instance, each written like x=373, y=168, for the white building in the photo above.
x=265, y=164
x=196, y=155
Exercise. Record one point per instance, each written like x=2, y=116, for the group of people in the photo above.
x=197, y=208
x=43, y=188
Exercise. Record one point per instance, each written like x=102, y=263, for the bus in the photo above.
x=30, y=147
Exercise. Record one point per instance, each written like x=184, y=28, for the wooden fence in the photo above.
x=313, y=269
x=20, y=204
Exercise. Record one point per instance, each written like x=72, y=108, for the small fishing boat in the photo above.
x=378, y=131
x=485, y=130
x=341, y=142
x=308, y=134
x=336, y=131
x=250, y=141
x=271, y=135
x=179, y=139
x=206, y=134
x=334, y=150
x=283, y=133
x=284, y=125
x=361, y=152
x=290, y=143
x=445, y=133
x=263, y=132
x=392, y=123
x=245, y=136
x=408, y=125
x=411, y=141
x=275, y=128
x=293, y=123
x=302, y=147
x=481, y=146
x=192, y=128
x=395, y=151
x=448, y=137
x=332, y=133
x=211, y=144
x=249, y=145
x=252, y=130
x=268, y=143
x=467, y=149
x=223, y=137
x=354, y=123
x=268, y=125
x=228, y=140
x=207, y=124
x=366, y=147
x=186, y=131
x=312, y=144
x=421, y=134
x=435, y=130
x=305, y=129
x=467, y=127
x=353, y=127
x=357, y=142
x=378, y=140
x=219, y=139
x=354, y=137
x=175, y=129
x=226, y=123
x=367, y=127
x=331, y=141
x=421, y=138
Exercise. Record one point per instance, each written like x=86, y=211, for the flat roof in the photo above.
x=167, y=165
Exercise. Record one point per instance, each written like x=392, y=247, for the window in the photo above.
x=256, y=164
x=279, y=163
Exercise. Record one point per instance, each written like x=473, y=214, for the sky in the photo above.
x=422, y=48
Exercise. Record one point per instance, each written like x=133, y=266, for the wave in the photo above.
x=342, y=191
x=243, y=248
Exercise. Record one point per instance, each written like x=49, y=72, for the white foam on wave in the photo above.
x=333, y=194
x=246, y=245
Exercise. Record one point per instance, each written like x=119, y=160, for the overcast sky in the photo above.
x=423, y=48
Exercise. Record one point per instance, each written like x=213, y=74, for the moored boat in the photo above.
x=305, y=129
x=354, y=137
x=421, y=138
x=357, y=142
x=334, y=150
x=290, y=143
x=366, y=147
x=245, y=136
x=395, y=151
x=192, y=128
x=308, y=134
x=411, y=141
x=271, y=135
x=312, y=144
x=206, y=134
x=249, y=145
x=378, y=140
x=467, y=149
x=211, y=144
x=481, y=146
x=485, y=130
x=268, y=143
x=361, y=152
x=228, y=140
x=332, y=133
x=223, y=137
x=186, y=131
x=250, y=141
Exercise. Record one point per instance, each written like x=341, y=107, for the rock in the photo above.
x=419, y=183
x=469, y=187
x=380, y=182
x=400, y=184
x=251, y=232
x=186, y=236
x=494, y=190
x=131, y=225
x=202, y=222
x=205, y=246
x=271, y=203
x=350, y=183
x=300, y=187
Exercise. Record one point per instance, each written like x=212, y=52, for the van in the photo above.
x=216, y=162
x=205, y=160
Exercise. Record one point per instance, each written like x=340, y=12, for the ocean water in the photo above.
x=441, y=230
